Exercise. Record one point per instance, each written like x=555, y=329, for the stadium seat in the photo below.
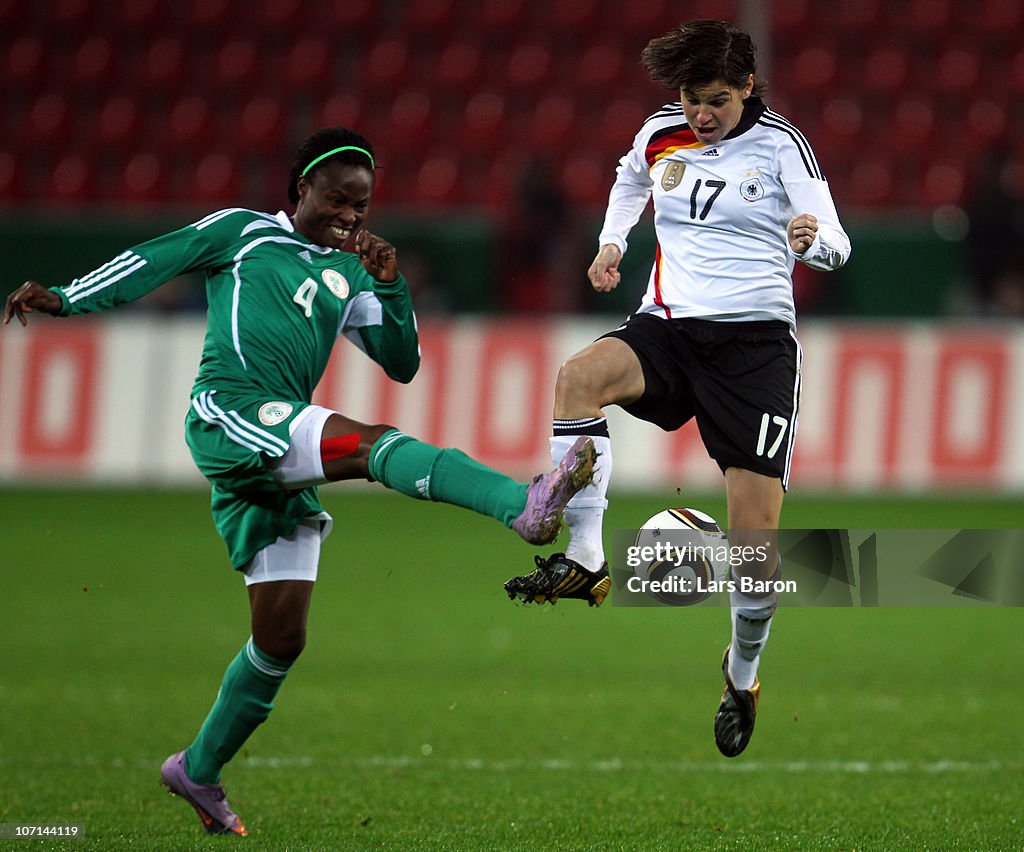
x=869, y=183
x=886, y=70
x=70, y=15
x=93, y=64
x=431, y=16
x=385, y=67
x=790, y=15
x=48, y=120
x=344, y=110
x=499, y=16
x=258, y=127
x=483, y=119
x=163, y=65
x=987, y=121
x=527, y=65
x=308, y=65
x=927, y=16
x=412, y=115
x=437, y=179
x=552, y=122
x=857, y=15
x=458, y=65
x=236, y=64
x=137, y=19
x=575, y=16
x=71, y=180
x=204, y=16
x=816, y=67
x=943, y=183
x=996, y=17
x=142, y=180
x=587, y=178
x=598, y=69
x=957, y=70
x=118, y=123
x=188, y=126
x=343, y=17
x=214, y=180
x=23, y=62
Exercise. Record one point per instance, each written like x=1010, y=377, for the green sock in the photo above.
x=445, y=476
x=245, y=700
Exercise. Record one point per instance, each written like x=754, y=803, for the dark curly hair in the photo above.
x=319, y=143
x=699, y=52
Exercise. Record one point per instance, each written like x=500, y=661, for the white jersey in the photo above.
x=720, y=215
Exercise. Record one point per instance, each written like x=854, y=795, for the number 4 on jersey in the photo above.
x=762, y=439
x=305, y=294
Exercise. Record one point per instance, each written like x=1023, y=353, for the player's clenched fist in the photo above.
x=378, y=256
x=801, y=232
x=29, y=298
x=604, y=271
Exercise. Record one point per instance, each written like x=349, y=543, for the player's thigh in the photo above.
x=606, y=372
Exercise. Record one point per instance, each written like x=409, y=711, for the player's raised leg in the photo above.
x=329, y=447
x=605, y=372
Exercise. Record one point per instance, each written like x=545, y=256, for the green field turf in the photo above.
x=429, y=712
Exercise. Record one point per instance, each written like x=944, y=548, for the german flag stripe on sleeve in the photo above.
x=670, y=139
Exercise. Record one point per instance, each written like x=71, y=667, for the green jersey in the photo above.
x=276, y=304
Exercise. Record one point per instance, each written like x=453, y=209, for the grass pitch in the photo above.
x=429, y=712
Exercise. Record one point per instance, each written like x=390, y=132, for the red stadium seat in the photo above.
x=528, y=64
x=870, y=183
x=214, y=180
x=23, y=62
x=943, y=183
x=816, y=67
x=587, y=179
x=791, y=15
x=345, y=110
x=118, y=123
x=576, y=16
x=458, y=66
x=93, y=64
x=206, y=15
x=386, y=66
x=189, y=124
x=308, y=64
x=886, y=69
x=957, y=70
x=236, y=63
x=437, y=179
x=927, y=16
x=259, y=126
x=48, y=120
x=142, y=180
x=500, y=16
x=857, y=15
x=431, y=15
x=73, y=15
x=995, y=17
x=987, y=121
x=138, y=17
x=412, y=114
x=598, y=68
x=163, y=65
x=344, y=16
x=483, y=120
x=552, y=122
x=72, y=180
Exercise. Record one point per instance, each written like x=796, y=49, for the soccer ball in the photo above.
x=688, y=556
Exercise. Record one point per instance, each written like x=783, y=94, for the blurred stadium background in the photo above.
x=498, y=125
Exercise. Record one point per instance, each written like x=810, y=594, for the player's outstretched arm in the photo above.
x=604, y=271
x=29, y=298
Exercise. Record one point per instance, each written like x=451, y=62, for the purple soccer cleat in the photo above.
x=207, y=799
x=547, y=495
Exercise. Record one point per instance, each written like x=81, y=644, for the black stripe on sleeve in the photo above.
x=777, y=122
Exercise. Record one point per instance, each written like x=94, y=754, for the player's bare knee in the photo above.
x=576, y=386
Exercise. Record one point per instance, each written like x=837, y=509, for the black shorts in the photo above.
x=741, y=380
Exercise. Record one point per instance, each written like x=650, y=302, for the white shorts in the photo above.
x=297, y=556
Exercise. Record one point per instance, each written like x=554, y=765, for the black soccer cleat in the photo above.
x=560, y=577
x=737, y=712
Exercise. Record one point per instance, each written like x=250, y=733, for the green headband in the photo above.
x=334, y=151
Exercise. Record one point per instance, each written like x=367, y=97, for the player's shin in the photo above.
x=752, y=614
x=584, y=515
x=444, y=475
x=243, y=703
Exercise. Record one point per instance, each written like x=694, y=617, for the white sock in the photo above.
x=751, y=623
x=584, y=516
